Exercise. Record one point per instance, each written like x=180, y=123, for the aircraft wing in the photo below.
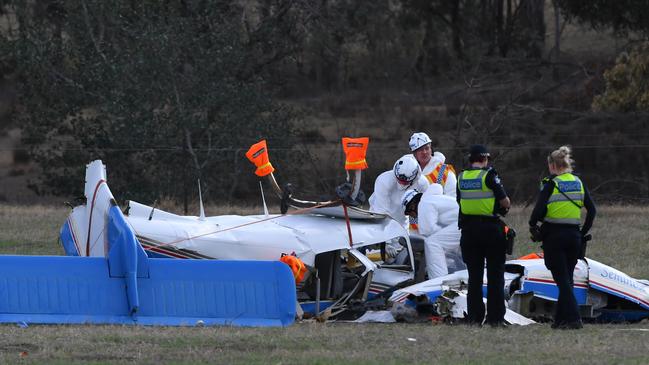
x=257, y=237
x=352, y=213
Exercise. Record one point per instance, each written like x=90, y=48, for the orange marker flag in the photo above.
x=355, y=150
x=258, y=154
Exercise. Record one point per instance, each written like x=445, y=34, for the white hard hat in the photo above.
x=418, y=140
x=406, y=170
x=408, y=196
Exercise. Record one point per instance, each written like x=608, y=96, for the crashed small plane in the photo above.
x=338, y=241
x=330, y=237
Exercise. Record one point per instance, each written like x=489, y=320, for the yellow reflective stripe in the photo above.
x=430, y=180
x=355, y=163
x=264, y=166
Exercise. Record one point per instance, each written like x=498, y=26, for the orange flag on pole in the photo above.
x=258, y=154
x=355, y=150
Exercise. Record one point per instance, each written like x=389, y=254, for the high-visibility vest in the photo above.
x=559, y=207
x=355, y=150
x=297, y=266
x=258, y=154
x=475, y=197
x=440, y=174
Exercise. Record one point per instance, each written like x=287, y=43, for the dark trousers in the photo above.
x=561, y=245
x=480, y=241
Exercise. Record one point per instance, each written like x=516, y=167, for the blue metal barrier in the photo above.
x=129, y=288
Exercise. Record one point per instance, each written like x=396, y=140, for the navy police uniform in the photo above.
x=559, y=208
x=483, y=238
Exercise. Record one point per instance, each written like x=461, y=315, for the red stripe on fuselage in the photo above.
x=547, y=281
x=92, y=206
x=621, y=292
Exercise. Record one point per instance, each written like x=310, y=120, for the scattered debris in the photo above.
x=376, y=317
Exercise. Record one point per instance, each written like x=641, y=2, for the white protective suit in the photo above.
x=388, y=193
x=437, y=216
x=451, y=180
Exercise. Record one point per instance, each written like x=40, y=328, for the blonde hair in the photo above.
x=562, y=159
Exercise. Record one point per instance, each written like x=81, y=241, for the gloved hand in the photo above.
x=535, y=233
x=502, y=210
x=391, y=250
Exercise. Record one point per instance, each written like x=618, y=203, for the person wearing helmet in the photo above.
x=433, y=165
x=482, y=197
x=390, y=186
x=436, y=215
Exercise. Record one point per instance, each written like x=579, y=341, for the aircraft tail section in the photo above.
x=84, y=233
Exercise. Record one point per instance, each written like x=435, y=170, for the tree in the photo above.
x=626, y=83
x=477, y=28
x=165, y=92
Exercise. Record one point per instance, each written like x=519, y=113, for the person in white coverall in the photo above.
x=433, y=164
x=437, y=216
x=388, y=192
x=390, y=186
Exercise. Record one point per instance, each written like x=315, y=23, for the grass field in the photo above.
x=621, y=237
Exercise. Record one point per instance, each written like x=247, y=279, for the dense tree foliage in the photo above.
x=171, y=91
x=165, y=91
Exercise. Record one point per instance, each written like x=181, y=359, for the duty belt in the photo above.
x=479, y=218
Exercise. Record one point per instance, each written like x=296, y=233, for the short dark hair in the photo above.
x=477, y=158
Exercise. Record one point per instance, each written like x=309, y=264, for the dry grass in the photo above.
x=31, y=230
x=620, y=237
x=331, y=343
x=620, y=240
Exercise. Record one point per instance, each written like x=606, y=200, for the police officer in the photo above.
x=559, y=208
x=482, y=197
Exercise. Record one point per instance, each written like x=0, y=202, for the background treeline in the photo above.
x=168, y=92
